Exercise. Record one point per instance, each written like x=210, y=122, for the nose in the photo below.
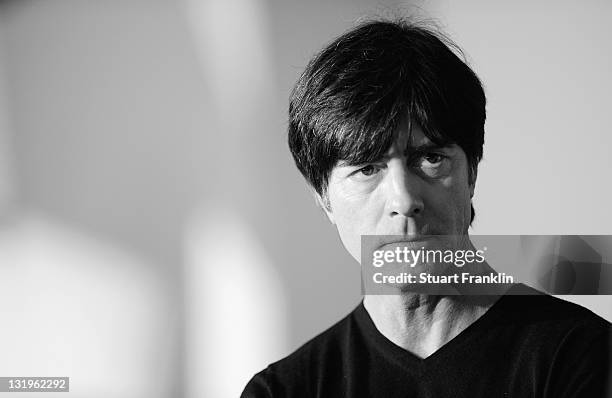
x=403, y=191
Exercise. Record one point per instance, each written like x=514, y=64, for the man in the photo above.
x=387, y=127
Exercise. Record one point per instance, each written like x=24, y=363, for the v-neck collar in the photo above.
x=451, y=349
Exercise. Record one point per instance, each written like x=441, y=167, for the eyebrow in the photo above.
x=429, y=146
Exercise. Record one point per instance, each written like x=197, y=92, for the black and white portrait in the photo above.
x=207, y=198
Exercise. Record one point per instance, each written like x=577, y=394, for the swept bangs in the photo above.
x=354, y=96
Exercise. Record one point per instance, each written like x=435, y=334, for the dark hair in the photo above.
x=351, y=98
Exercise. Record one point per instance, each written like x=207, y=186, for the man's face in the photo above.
x=417, y=189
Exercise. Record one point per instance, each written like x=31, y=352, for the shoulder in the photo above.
x=292, y=375
x=548, y=327
x=572, y=341
x=324, y=347
x=526, y=305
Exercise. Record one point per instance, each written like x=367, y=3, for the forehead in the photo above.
x=360, y=146
x=409, y=137
x=413, y=139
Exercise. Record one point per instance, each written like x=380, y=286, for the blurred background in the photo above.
x=156, y=239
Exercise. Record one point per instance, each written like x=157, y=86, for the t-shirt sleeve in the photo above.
x=258, y=387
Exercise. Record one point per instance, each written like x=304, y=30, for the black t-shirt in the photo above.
x=523, y=346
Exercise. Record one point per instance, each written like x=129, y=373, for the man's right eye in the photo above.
x=368, y=170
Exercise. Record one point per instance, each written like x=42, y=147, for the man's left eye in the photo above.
x=433, y=158
x=433, y=164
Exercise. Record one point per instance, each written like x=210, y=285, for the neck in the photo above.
x=423, y=323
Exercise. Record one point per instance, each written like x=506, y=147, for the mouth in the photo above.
x=410, y=241
x=413, y=242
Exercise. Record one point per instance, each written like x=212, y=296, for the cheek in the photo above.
x=355, y=212
x=463, y=209
x=349, y=231
x=454, y=204
x=346, y=213
x=353, y=218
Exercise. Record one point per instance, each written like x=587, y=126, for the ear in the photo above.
x=322, y=201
